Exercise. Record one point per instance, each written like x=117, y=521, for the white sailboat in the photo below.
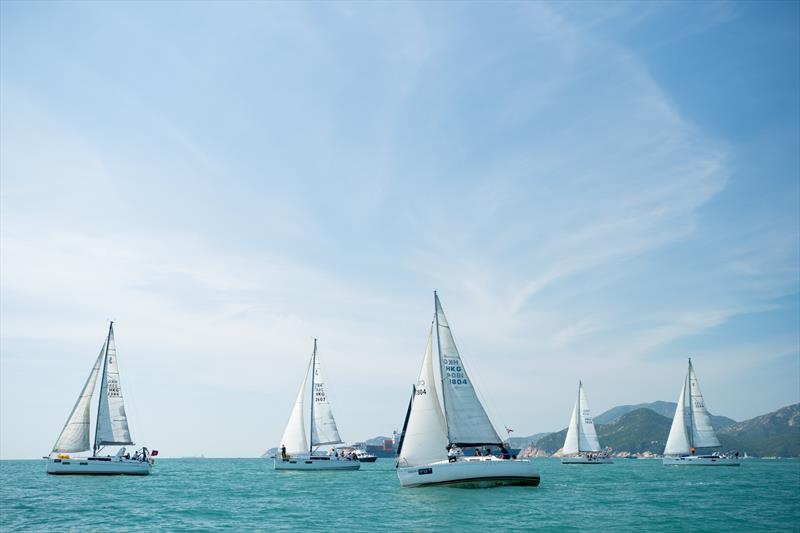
x=111, y=426
x=297, y=450
x=582, y=445
x=691, y=429
x=445, y=415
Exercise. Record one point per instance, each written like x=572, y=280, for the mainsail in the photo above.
x=467, y=421
x=703, y=435
x=294, y=436
x=588, y=434
x=323, y=426
x=425, y=436
x=112, y=422
x=75, y=435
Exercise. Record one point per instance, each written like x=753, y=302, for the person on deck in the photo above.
x=477, y=452
x=452, y=456
x=283, y=452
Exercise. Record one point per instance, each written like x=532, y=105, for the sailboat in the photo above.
x=296, y=450
x=445, y=415
x=581, y=445
x=691, y=429
x=111, y=426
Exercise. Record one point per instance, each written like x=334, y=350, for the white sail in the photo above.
x=323, y=429
x=588, y=434
x=571, y=445
x=425, y=439
x=678, y=439
x=75, y=435
x=467, y=421
x=294, y=436
x=112, y=422
x=703, y=435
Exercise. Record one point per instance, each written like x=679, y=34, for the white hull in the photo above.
x=700, y=460
x=584, y=460
x=470, y=473
x=106, y=466
x=315, y=463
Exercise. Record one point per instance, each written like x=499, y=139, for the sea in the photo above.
x=248, y=495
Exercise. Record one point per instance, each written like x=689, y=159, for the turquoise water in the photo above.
x=246, y=494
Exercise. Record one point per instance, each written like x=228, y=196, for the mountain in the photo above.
x=641, y=430
x=776, y=434
x=663, y=408
x=637, y=431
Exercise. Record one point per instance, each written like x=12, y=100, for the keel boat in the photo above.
x=445, y=415
x=582, y=447
x=299, y=452
x=691, y=429
x=111, y=426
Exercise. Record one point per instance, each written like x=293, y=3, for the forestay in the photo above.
x=703, y=435
x=425, y=438
x=294, y=436
x=112, y=422
x=467, y=421
x=323, y=429
x=75, y=435
x=678, y=439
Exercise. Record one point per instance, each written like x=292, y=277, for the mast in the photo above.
x=691, y=410
x=439, y=354
x=313, y=392
x=102, y=386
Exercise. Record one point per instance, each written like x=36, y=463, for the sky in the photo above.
x=597, y=191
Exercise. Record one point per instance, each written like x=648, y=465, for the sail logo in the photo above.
x=454, y=372
x=319, y=393
x=113, y=389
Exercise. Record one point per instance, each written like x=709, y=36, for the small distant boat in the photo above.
x=111, y=426
x=691, y=429
x=582, y=447
x=297, y=449
x=439, y=423
x=365, y=457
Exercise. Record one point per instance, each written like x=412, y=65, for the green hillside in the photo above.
x=638, y=431
x=776, y=434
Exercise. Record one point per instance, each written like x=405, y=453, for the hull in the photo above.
x=700, y=460
x=98, y=467
x=583, y=460
x=371, y=459
x=470, y=473
x=315, y=463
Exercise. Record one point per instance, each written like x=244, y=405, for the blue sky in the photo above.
x=597, y=190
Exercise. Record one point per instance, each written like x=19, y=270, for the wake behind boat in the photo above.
x=582, y=447
x=297, y=451
x=439, y=423
x=691, y=429
x=111, y=428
